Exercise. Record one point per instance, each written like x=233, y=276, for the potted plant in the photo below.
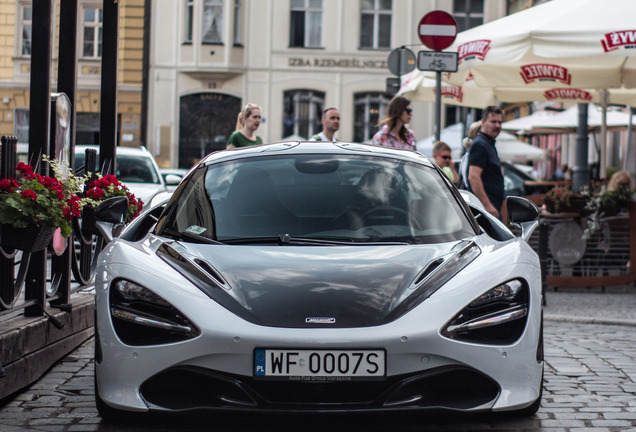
x=101, y=189
x=33, y=206
x=605, y=204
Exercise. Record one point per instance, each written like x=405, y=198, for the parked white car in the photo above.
x=318, y=277
x=173, y=176
x=136, y=168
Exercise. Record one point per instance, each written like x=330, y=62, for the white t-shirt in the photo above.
x=321, y=137
x=463, y=169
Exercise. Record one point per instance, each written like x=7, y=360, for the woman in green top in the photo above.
x=249, y=119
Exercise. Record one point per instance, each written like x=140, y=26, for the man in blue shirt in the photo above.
x=484, y=168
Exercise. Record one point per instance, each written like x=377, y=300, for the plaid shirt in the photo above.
x=385, y=138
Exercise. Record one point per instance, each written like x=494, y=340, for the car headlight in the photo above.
x=142, y=317
x=497, y=317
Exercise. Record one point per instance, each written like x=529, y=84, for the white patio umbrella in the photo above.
x=521, y=124
x=561, y=45
x=566, y=121
x=509, y=148
x=420, y=86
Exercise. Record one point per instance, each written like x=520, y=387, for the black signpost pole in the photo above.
x=438, y=105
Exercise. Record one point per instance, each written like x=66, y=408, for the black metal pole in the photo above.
x=581, y=170
x=108, y=115
x=67, y=83
x=438, y=105
x=39, y=134
x=145, y=71
x=67, y=64
x=543, y=256
x=40, y=97
x=8, y=160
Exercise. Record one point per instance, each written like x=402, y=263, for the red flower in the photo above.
x=29, y=194
x=95, y=193
x=8, y=185
x=73, y=207
x=24, y=169
x=110, y=178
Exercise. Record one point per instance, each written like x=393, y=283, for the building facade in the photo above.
x=293, y=58
x=15, y=68
x=207, y=58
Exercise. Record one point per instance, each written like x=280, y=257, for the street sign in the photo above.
x=437, y=61
x=437, y=30
x=392, y=86
x=401, y=61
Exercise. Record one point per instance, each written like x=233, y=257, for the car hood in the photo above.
x=145, y=191
x=319, y=286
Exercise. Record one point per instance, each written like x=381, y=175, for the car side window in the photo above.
x=193, y=211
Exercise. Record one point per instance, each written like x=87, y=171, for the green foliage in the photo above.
x=31, y=198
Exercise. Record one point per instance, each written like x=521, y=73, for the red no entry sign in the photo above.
x=437, y=30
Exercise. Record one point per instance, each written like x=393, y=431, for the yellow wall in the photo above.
x=14, y=72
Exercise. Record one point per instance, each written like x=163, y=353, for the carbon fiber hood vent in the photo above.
x=351, y=286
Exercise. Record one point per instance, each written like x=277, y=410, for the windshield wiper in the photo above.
x=286, y=239
x=189, y=237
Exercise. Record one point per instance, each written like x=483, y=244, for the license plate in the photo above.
x=319, y=365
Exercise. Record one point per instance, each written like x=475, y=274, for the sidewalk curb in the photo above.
x=589, y=320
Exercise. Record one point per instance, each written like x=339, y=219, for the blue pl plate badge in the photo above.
x=259, y=362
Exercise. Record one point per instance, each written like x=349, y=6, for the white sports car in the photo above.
x=304, y=276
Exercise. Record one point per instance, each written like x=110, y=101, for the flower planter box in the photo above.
x=33, y=238
x=576, y=205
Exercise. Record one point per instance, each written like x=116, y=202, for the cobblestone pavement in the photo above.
x=590, y=384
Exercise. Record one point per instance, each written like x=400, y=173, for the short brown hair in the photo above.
x=490, y=109
x=440, y=146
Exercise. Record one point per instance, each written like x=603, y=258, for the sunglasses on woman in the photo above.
x=409, y=110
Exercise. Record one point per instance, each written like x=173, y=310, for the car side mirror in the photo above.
x=172, y=180
x=109, y=214
x=524, y=214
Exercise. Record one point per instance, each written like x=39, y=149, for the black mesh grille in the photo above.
x=196, y=388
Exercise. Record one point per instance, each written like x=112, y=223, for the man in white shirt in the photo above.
x=330, y=125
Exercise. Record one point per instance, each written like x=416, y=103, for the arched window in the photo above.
x=368, y=111
x=206, y=122
x=302, y=112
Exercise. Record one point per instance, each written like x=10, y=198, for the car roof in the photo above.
x=524, y=175
x=313, y=147
x=123, y=150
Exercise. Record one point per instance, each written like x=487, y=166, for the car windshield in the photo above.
x=130, y=168
x=305, y=198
